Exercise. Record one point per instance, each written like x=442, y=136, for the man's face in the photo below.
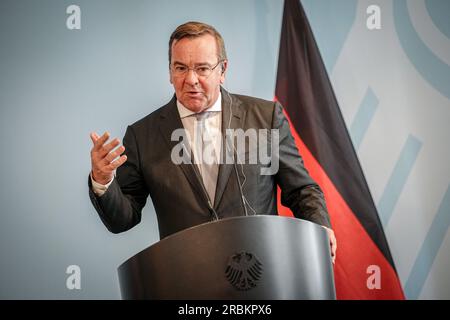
x=195, y=92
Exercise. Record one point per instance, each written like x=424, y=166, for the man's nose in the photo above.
x=191, y=77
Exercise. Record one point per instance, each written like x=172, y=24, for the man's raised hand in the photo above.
x=105, y=159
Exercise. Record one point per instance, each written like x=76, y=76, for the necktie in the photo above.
x=206, y=156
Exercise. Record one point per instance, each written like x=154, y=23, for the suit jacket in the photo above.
x=176, y=190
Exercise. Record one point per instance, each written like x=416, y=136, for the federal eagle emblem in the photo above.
x=243, y=270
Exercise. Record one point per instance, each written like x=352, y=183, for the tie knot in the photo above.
x=202, y=115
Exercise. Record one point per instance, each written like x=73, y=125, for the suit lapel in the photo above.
x=232, y=118
x=170, y=121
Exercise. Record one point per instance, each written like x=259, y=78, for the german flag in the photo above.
x=364, y=266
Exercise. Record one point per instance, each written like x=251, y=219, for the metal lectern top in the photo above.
x=254, y=257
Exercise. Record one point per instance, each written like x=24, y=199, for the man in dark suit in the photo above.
x=187, y=194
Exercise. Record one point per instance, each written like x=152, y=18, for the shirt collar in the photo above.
x=185, y=112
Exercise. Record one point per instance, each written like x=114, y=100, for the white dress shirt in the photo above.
x=213, y=124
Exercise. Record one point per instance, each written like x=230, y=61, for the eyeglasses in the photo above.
x=203, y=70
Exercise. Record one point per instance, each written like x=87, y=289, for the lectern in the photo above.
x=253, y=257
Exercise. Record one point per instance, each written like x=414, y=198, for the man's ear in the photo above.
x=223, y=70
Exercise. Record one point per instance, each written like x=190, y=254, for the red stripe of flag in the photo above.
x=356, y=250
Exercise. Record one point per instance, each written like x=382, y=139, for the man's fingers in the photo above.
x=94, y=136
x=333, y=243
x=333, y=256
x=117, y=163
x=333, y=247
x=100, y=141
x=114, y=154
x=103, y=151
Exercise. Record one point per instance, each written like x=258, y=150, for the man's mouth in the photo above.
x=195, y=94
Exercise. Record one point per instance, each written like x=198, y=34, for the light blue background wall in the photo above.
x=57, y=85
